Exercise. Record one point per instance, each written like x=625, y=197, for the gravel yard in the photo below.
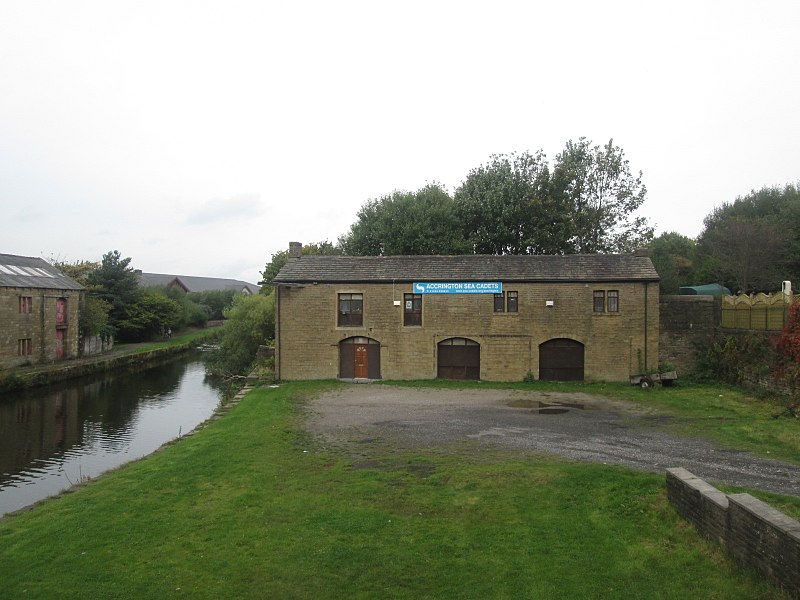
x=576, y=426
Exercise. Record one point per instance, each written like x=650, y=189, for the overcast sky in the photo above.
x=199, y=138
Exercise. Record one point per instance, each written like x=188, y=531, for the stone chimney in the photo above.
x=641, y=252
x=295, y=249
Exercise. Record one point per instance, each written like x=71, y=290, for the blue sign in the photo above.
x=459, y=287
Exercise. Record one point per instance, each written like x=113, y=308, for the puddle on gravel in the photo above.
x=548, y=408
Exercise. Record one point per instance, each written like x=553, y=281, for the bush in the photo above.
x=250, y=323
x=214, y=302
x=151, y=314
x=736, y=359
x=789, y=344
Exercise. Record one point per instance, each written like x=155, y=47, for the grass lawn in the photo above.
x=251, y=508
x=179, y=339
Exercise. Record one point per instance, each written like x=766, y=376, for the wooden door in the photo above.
x=362, y=361
x=61, y=311
x=459, y=358
x=59, y=344
x=561, y=360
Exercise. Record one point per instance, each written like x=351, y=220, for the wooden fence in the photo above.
x=762, y=312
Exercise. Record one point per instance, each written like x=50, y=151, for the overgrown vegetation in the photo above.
x=734, y=359
x=250, y=324
x=117, y=306
x=251, y=508
x=750, y=360
x=213, y=302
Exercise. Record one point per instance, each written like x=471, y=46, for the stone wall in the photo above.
x=751, y=531
x=308, y=336
x=39, y=325
x=97, y=344
x=686, y=321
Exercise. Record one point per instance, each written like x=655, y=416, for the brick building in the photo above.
x=466, y=317
x=38, y=312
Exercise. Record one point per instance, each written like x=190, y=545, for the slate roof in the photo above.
x=540, y=268
x=155, y=279
x=196, y=284
x=29, y=272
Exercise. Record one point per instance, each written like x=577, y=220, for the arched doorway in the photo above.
x=459, y=358
x=561, y=359
x=359, y=358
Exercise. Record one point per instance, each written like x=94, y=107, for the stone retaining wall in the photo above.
x=751, y=531
x=685, y=322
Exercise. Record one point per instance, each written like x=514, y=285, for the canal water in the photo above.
x=52, y=438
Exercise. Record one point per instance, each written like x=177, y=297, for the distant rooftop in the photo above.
x=30, y=272
x=190, y=283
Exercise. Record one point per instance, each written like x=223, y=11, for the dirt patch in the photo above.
x=576, y=426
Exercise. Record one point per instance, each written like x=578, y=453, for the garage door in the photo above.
x=561, y=360
x=459, y=358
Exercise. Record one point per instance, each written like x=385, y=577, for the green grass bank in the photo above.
x=250, y=507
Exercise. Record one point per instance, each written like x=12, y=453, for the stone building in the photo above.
x=495, y=318
x=38, y=312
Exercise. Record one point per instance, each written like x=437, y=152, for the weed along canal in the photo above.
x=54, y=437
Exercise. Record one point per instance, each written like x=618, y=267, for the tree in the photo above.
x=116, y=282
x=250, y=323
x=190, y=313
x=746, y=254
x=93, y=314
x=603, y=196
x=506, y=208
x=753, y=243
x=150, y=315
x=214, y=302
x=93, y=317
x=406, y=223
x=674, y=257
x=78, y=271
x=280, y=258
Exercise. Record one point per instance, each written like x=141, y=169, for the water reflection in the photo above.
x=54, y=437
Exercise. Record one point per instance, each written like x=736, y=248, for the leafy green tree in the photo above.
x=78, y=270
x=115, y=282
x=190, y=313
x=603, y=196
x=276, y=262
x=674, y=257
x=407, y=223
x=753, y=243
x=250, y=322
x=214, y=302
x=93, y=316
x=150, y=315
x=506, y=208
